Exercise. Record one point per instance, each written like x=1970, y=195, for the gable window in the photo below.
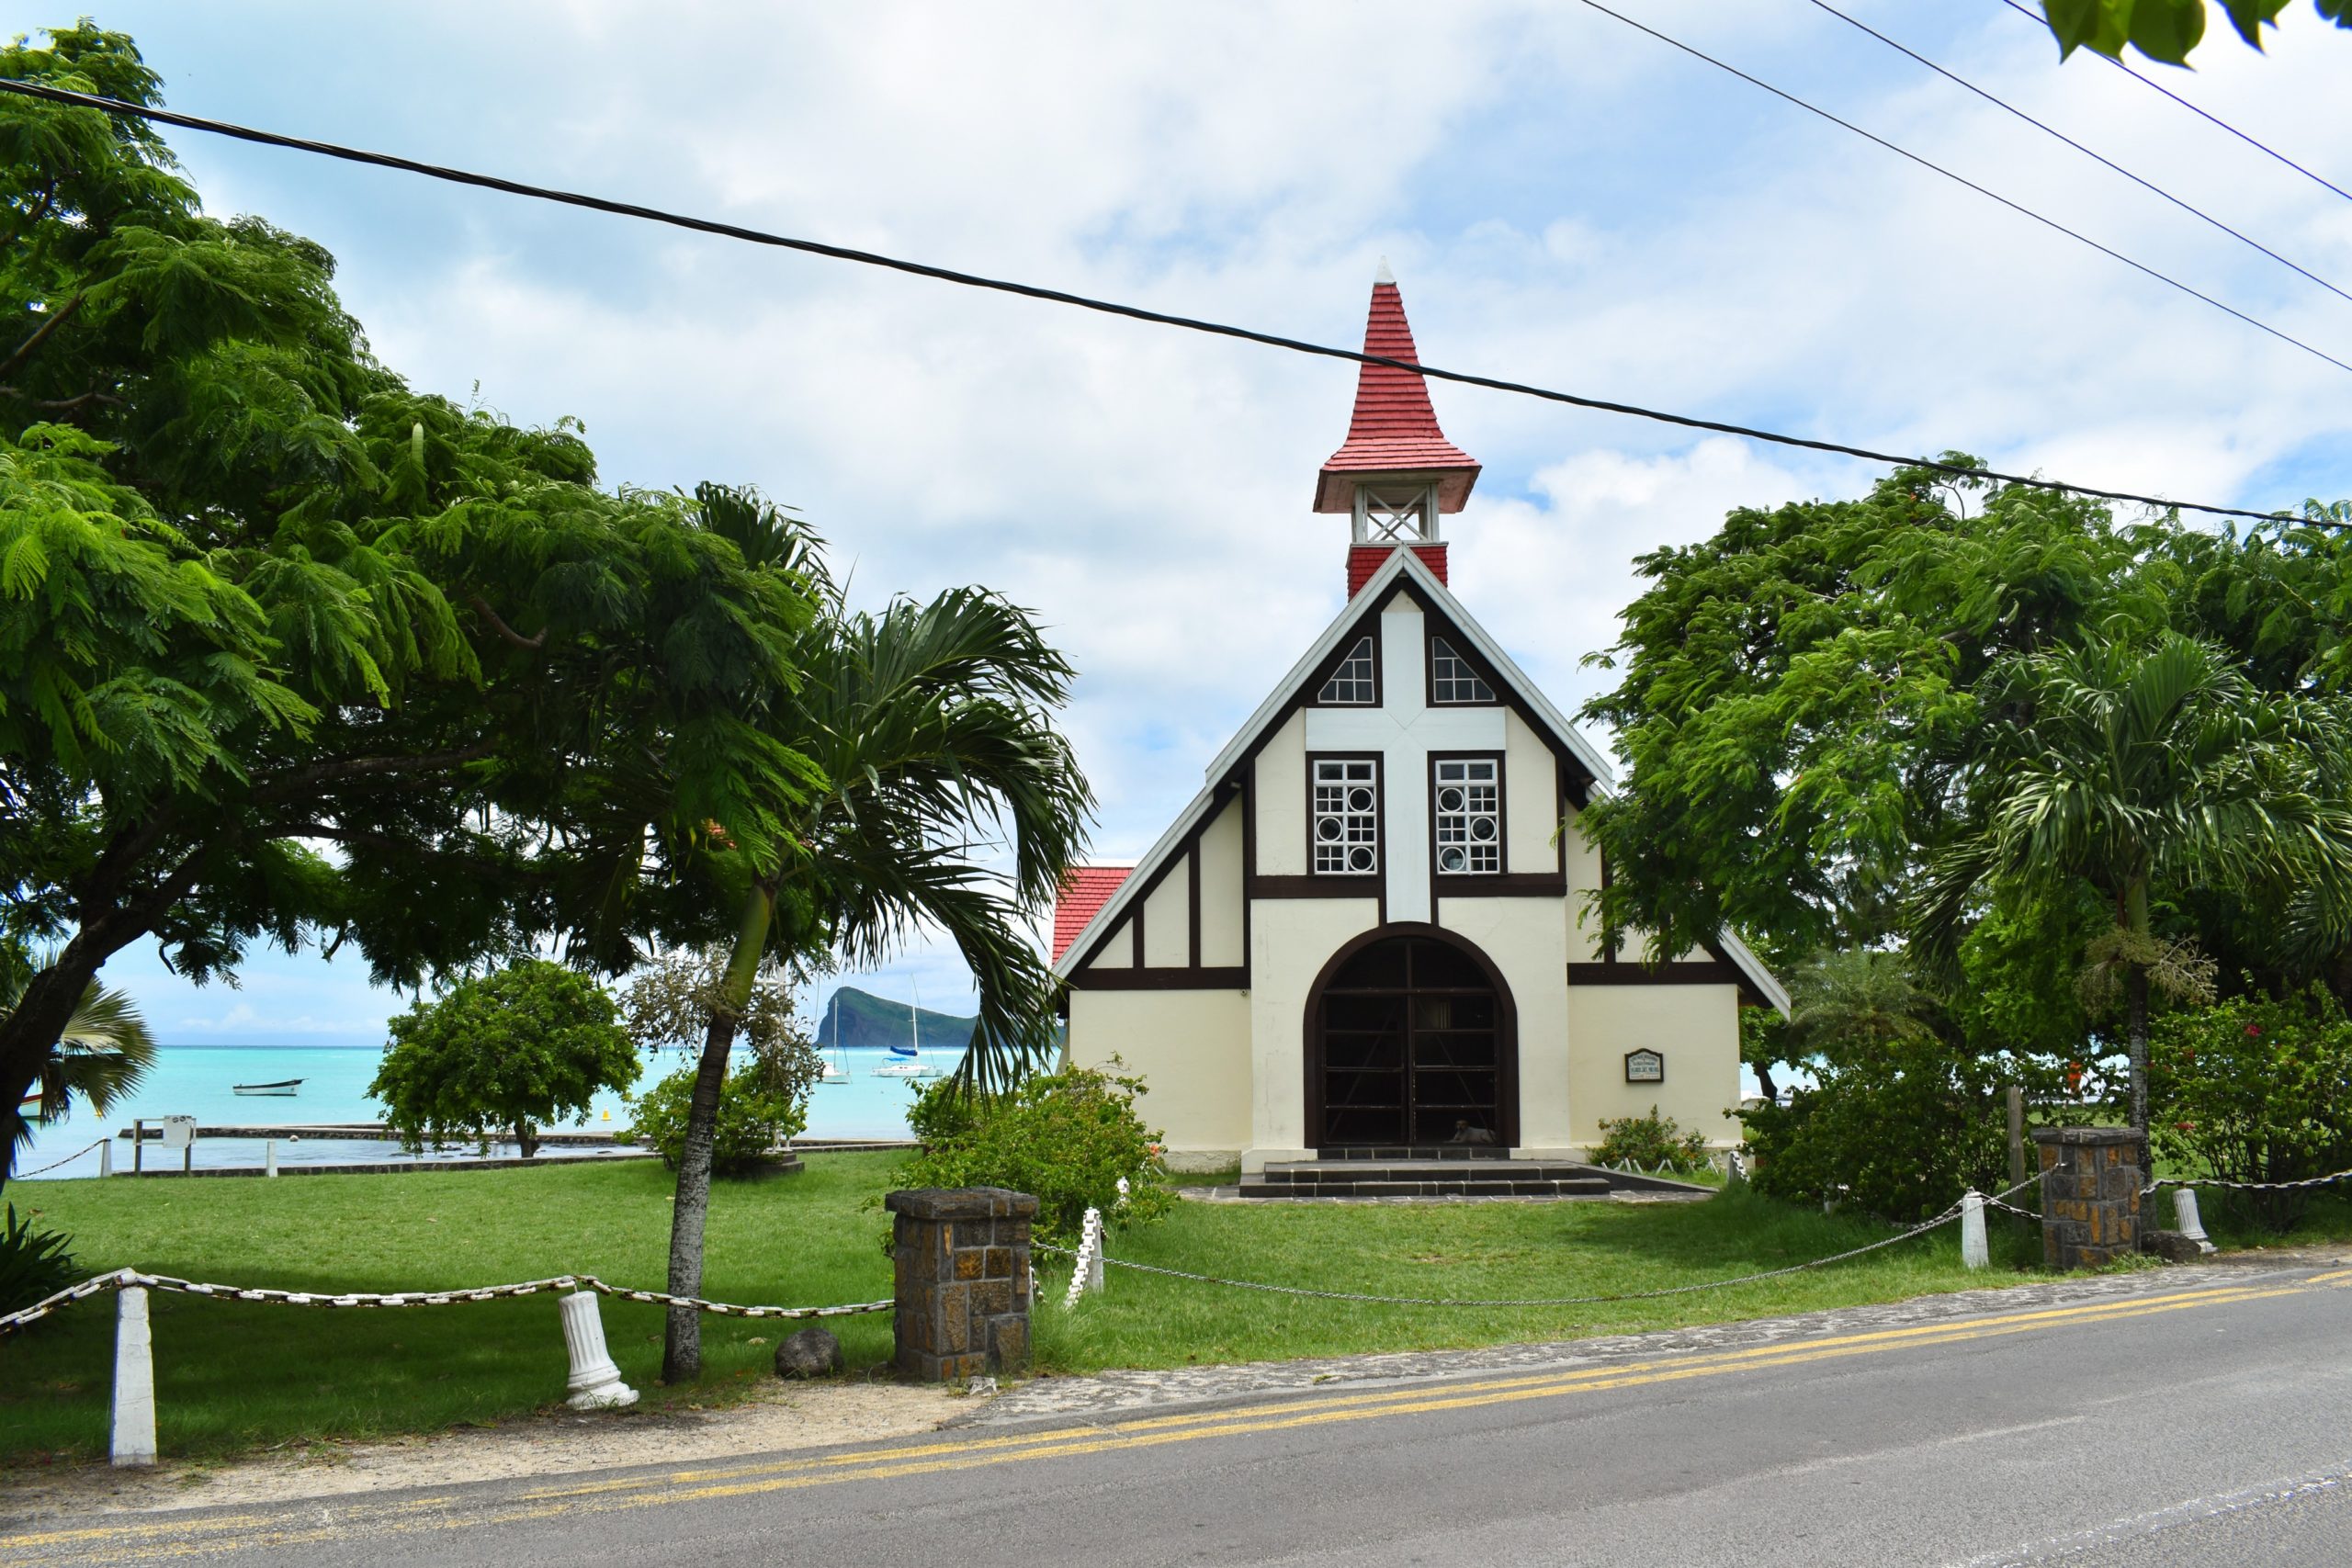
x=1346, y=816
x=1352, y=682
x=1468, y=803
x=1452, y=680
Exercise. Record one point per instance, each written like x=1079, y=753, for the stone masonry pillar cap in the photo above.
x=2091, y=1135
x=962, y=1203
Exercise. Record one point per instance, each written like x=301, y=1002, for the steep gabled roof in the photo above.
x=1402, y=565
x=1393, y=429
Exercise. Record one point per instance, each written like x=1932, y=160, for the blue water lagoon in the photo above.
x=200, y=1081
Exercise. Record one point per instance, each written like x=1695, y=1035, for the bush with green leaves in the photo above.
x=1651, y=1142
x=502, y=1053
x=33, y=1264
x=2255, y=1089
x=755, y=1115
x=1067, y=1138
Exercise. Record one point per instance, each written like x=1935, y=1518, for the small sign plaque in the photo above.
x=1644, y=1066
x=180, y=1132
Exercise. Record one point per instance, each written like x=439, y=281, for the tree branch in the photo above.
x=57, y=319
x=533, y=643
x=368, y=767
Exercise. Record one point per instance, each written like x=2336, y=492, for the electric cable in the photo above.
x=1989, y=194
x=2265, y=150
x=2049, y=129
x=1085, y=302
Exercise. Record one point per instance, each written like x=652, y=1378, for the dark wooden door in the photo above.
x=1411, y=1049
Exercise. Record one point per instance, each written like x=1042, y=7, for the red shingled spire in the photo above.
x=1395, y=430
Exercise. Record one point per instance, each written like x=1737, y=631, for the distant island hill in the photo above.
x=867, y=1021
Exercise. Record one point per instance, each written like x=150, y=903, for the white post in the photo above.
x=595, y=1380
x=269, y=1156
x=2184, y=1219
x=135, y=1380
x=1094, y=1249
x=105, y=1157
x=1974, y=1253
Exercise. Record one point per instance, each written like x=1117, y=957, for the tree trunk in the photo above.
x=1763, y=1071
x=30, y=1034
x=681, y=1337
x=526, y=1138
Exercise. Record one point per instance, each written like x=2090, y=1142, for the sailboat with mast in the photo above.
x=836, y=1062
x=906, y=1061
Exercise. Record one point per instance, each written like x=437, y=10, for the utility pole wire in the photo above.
x=2042, y=22
x=1084, y=302
x=2049, y=129
x=2019, y=208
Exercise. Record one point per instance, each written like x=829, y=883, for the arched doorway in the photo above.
x=1411, y=1043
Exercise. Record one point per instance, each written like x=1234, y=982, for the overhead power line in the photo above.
x=2266, y=150
x=2048, y=223
x=2049, y=129
x=1085, y=302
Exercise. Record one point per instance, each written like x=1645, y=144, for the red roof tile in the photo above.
x=1084, y=891
x=1364, y=561
x=1394, y=428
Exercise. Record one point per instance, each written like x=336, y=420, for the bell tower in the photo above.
x=1396, y=473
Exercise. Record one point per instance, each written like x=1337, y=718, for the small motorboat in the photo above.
x=283, y=1086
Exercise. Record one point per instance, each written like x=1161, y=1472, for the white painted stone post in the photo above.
x=133, y=1439
x=595, y=1380
x=1086, y=1273
x=2185, y=1220
x=105, y=1157
x=269, y=1156
x=1974, y=1253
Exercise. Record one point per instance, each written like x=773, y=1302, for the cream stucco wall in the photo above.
x=1279, y=783
x=1527, y=943
x=1695, y=1027
x=1118, y=952
x=1168, y=922
x=1191, y=1048
x=1583, y=878
x=1290, y=941
x=1531, y=797
x=1221, y=906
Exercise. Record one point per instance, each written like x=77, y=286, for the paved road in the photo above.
x=2195, y=1426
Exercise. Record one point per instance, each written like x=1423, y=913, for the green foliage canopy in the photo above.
x=290, y=651
x=504, y=1053
x=1066, y=1137
x=2166, y=29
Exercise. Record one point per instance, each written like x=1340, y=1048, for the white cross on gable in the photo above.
x=1403, y=731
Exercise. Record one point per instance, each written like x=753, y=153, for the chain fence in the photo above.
x=2243, y=1186
x=68, y=1159
x=1946, y=1217
x=123, y=1278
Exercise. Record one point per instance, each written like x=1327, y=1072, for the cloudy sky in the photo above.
x=1564, y=200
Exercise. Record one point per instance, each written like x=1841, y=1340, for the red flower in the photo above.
x=2185, y=1126
x=2251, y=1030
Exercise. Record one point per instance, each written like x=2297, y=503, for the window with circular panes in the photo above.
x=1347, y=816
x=1468, y=804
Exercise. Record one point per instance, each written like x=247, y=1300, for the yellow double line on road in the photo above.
x=248, y=1530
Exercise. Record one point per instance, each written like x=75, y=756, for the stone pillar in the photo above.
x=2090, y=1195
x=131, y=1439
x=962, y=1263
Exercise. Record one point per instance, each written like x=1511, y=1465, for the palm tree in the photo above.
x=1856, y=1001
x=2146, y=769
x=930, y=724
x=103, y=1054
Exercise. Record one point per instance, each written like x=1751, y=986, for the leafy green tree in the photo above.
x=257, y=596
x=2166, y=29
x=503, y=1052
x=99, y=1058
x=2139, y=767
x=754, y=1116
x=2255, y=1090
x=931, y=726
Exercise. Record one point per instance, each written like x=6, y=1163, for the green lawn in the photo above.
x=236, y=1376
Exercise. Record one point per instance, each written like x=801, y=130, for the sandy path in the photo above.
x=794, y=1416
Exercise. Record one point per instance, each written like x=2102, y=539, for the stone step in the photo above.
x=1435, y=1186
x=1303, y=1174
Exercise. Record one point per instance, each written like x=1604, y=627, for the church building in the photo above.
x=1368, y=934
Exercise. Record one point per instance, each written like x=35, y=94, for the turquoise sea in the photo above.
x=197, y=1080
